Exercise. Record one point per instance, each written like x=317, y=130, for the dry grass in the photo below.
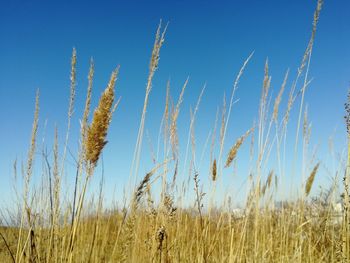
x=181, y=223
x=233, y=152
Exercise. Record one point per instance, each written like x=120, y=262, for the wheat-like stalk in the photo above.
x=97, y=131
x=30, y=159
x=214, y=171
x=192, y=124
x=233, y=152
x=279, y=98
x=142, y=187
x=29, y=172
x=307, y=57
x=173, y=124
x=234, y=88
x=158, y=42
x=310, y=179
x=269, y=179
x=71, y=104
x=86, y=113
x=83, y=131
x=94, y=143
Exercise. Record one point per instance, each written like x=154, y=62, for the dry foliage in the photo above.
x=184, y=222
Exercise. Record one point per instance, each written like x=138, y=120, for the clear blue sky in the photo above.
x=206, y=40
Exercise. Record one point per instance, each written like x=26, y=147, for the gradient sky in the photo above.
x=206, y=40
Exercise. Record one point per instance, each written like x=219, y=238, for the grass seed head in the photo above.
x=214, y=171
x=97, y=131
x=233, y=152
x=311, y=179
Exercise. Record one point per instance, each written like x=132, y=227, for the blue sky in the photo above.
x=206, y=40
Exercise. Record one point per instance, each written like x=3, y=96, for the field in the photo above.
x=168, y=215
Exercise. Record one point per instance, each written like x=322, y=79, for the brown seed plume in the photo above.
x=97, y=131
x=214, y=171
x=310, y=180
x=269, y=179
x=233, y=152
x=142, y=187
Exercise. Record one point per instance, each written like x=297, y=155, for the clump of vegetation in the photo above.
x=57, y=226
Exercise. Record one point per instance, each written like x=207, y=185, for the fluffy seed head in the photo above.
x=31, y=152
x=97, y=131
x=310, y=180
x=233, y=152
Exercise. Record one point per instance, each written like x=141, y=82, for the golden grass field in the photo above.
x=159, y=227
